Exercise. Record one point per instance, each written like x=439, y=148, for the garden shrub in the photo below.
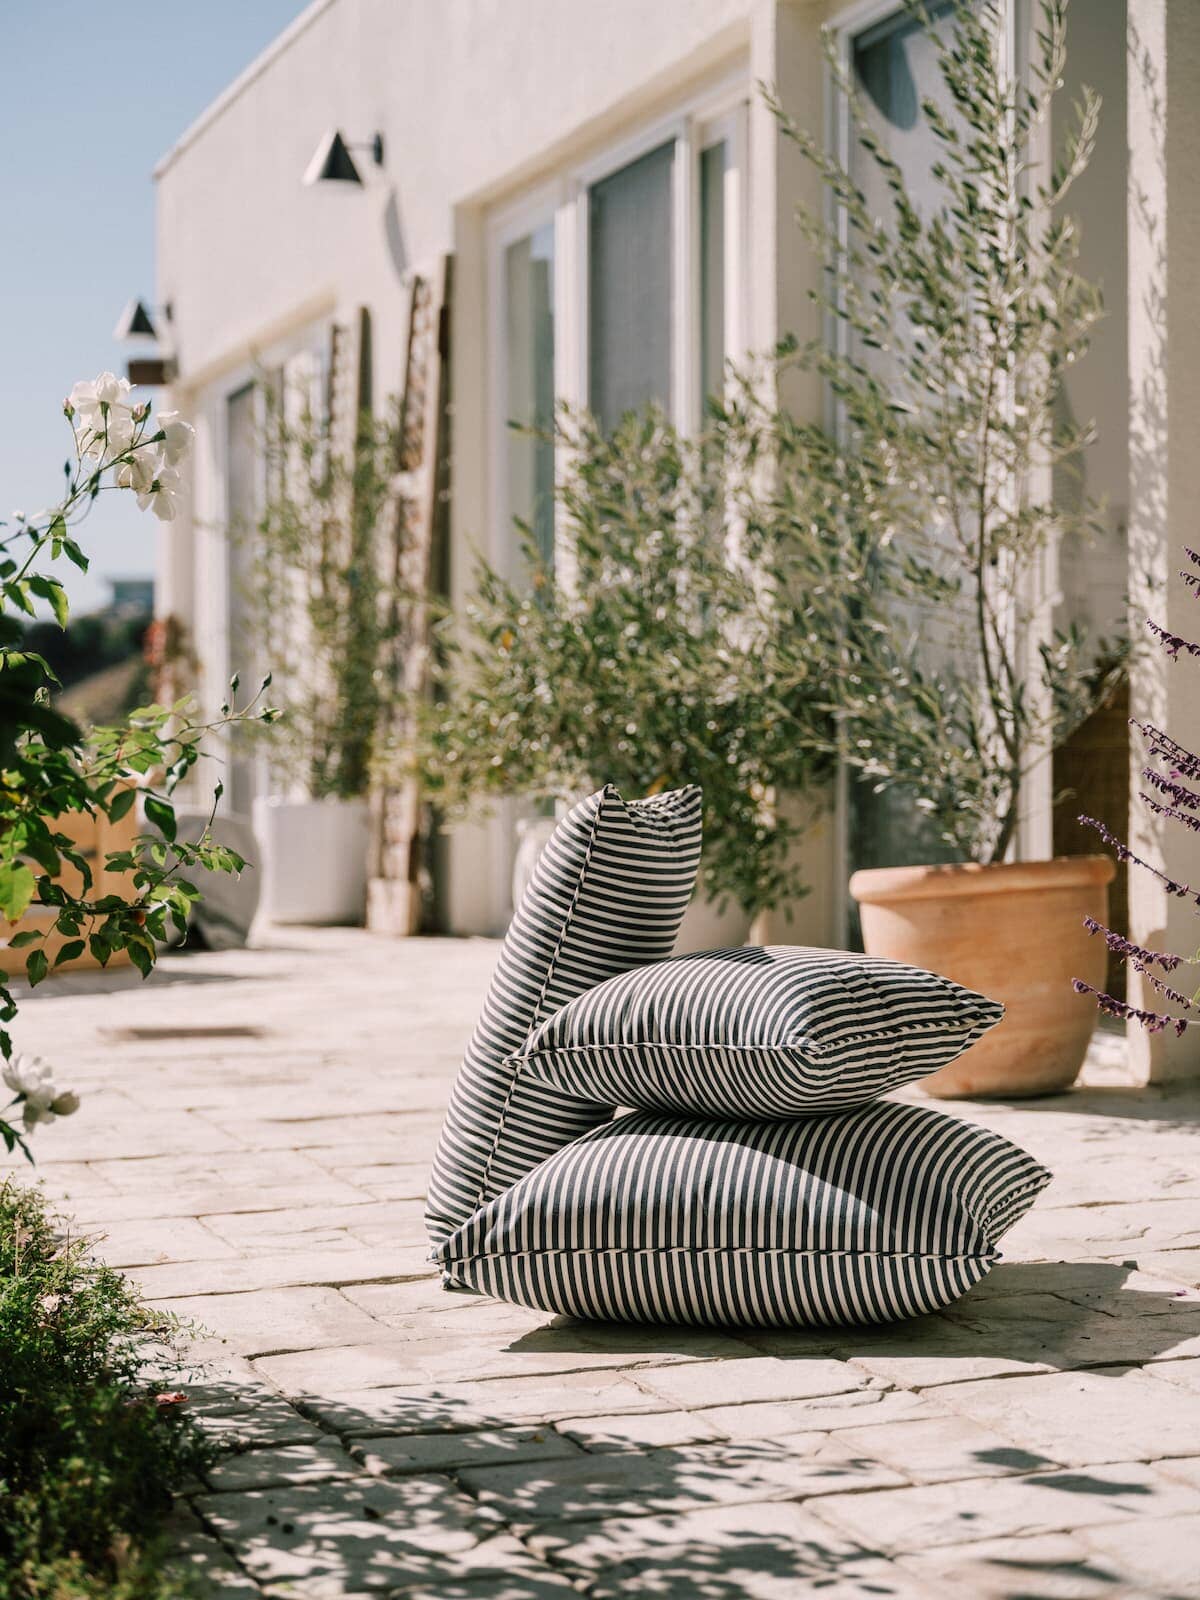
x=94, y=1437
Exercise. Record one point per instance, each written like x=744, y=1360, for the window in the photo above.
x=529, y=382
x=616, y=286
x=714, y=173
x=893, y=63
x=629, y=287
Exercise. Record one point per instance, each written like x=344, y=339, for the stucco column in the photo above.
x=786, y=52
x=1164, y=488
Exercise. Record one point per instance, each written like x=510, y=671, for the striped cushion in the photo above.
x=884, y=1212
x=608, y=892
x=777, y=1032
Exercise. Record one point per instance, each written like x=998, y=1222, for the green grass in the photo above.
x=91, y=1447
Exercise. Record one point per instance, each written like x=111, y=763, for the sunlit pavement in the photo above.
x=253, y=1145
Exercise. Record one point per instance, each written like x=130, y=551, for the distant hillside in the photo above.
x=98, y=658
x=89, y=643
x=104, y=697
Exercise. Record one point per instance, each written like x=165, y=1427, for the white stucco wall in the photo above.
x=476, y=100
x=471, y=97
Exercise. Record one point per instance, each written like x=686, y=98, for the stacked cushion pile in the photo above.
x=760, y=1180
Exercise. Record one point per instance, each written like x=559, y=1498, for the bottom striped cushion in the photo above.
x=870, y=1215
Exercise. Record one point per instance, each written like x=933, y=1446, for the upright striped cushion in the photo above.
x=780, y=1031
x=608, y=893
x=884, y=1212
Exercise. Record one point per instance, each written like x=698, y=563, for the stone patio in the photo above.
x=252, y=1148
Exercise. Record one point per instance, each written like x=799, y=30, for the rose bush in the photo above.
x=49, y=768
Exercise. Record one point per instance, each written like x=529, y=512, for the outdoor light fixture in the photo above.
x=135, y=322
x=333, y=163
x=142, y=325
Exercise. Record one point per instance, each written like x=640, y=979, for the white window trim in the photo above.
x=536, y=209
x=732, y=128
x=720, y=111
x=213, y=555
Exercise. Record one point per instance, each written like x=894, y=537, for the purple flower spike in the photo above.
x=1182, y=891
x=1172, y=815
x=1174, y=790
x=1173, y=643
x=1163, y=748
x=1141, y=958
x=1165, y=989
x=1152, y=1021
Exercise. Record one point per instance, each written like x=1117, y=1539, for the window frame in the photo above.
x=536, y=209
x=693, y=123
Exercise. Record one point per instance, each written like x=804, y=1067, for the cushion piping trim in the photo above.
x=568, y=917
x=989, y=1255
x=971, y=1030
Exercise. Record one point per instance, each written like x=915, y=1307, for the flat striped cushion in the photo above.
x=871, y=1215
x=780, y=1031
x=608, y=893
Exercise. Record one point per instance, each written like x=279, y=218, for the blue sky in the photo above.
x=90, y=98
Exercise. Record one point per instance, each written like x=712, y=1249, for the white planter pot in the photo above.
x=704, y=927
x=533, y=835
x=314, y=859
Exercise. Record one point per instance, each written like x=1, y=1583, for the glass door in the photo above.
x=894, y=67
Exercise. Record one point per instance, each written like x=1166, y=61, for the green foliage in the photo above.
x=955, y=321
x=92, y=1442
x=872, y=597
x=322, y=587
x=48, y=769
x=85, y=644
x=660, y=654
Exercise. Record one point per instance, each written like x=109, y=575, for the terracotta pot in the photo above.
x=1013, y=932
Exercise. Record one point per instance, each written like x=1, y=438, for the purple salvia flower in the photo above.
x=1191, y=554
x=1141, y=958
x=1173, y=643
x=1171, y=814
x=1192, y=579
x=1163, y=748
x=1123, y=853
x=1152, y=1021
x=1187, y=798
x=1165, y=989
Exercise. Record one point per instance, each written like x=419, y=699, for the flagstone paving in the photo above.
x=252, y=1147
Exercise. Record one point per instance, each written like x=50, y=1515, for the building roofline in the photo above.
x=242, y=82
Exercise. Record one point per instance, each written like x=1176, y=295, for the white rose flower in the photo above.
x=138, y=471
x=90, y=401
x=32, y=1083
x=102, y=415
x=177, y=436
x=162, y=497
x=25, y=1073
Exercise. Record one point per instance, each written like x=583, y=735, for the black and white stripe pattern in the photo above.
x=608, y=893
x=876, y=1214
x=761, y=1032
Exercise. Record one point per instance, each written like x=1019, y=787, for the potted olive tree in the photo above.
x=654, y=655
x=316, y=596
x=956, y=317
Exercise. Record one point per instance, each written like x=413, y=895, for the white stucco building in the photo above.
x=619, y=202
